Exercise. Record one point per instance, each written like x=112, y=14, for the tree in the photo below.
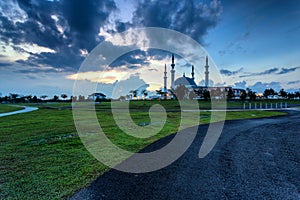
x=64, y=96
x=34, y=99
x=122, y=98
x=28, y=98
x=134, y=93
x=44, y=97
x=128, y=96
x=13, y=97
x=55, y=98
x=206, y=94
x=145, y=93
x=269, y=92
x=283, y=93
x=251, y=94
x=291, y=95
x=160, y=93
x=81, y=98
x=243, y=95
x=230, y=93
x=74, y=98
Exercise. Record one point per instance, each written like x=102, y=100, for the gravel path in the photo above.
x=253, y=159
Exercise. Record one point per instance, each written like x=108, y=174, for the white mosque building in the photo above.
x=189, y=82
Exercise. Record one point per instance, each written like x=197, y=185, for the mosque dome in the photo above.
x=186, y=81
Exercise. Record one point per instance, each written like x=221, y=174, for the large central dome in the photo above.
x=186, y=81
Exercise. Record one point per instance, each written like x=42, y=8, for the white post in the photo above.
x=280, y=104
x=260, y=105
x=271, y=105
x=285, y=104
x=276, y=105
x=249, y=106
x=255, y=105
x=266, y=105
x=244, y=106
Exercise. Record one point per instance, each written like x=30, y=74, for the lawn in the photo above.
x=42, y=156
x=9, y=108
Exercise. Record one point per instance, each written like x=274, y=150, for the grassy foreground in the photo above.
x=42, y=156
x=8, y=108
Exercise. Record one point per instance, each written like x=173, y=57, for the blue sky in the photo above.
x=253, y=43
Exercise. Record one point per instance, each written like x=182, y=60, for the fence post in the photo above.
x=260, y=105
x=285, y=104
x=249, y=106
x=244, y=106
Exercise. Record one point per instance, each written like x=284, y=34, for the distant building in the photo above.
x=97, y=96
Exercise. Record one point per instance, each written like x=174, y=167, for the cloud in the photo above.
x=210, y=83
x=230, y=73
x=133, y=60
x=60, y=31
x=260, y=86
x=235, y=45
x=5, y=64
x=188, y=17
x=266, y=72
x=123, y=87
x=293, y=82
x=275, y=71
x=287, y=70
x=65, y=27
x=241, y=84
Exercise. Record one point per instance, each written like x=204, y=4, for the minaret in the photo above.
x=165, y=79
x=172, y=72
x=206, y=73
x=193, y=77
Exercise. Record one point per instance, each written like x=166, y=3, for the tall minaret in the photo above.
x=172, y=72
x=165, y=79
x=206, y=73
x=193, y=77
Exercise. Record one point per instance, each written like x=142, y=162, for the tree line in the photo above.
x=17, y=98
x=181, y=92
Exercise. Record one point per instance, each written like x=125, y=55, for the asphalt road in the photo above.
x=253, y=159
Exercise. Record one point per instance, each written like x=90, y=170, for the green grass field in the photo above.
x=42, y=156
x=8, y=108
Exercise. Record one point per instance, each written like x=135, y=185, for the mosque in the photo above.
x=190, y=84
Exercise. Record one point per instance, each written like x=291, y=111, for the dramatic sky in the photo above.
x=253, y=43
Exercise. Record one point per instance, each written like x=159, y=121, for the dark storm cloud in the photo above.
x=230, y=73
x=188, y=17
x=69, y=27
x=133, y=60
x=79, y=20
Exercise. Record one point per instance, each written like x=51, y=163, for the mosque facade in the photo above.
x=190, y=84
